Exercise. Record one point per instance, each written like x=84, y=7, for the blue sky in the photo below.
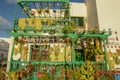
x=7, y=11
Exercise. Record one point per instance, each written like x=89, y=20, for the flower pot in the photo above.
x=99, y=58
x=32, y=12
x=21, y=75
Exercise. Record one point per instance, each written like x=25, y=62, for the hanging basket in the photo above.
x=32, y=12
x=25, y=9
x=99, y=58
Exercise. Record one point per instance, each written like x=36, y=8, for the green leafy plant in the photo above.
x=42, y=76
x=2, y=74
x=70, y=29
x=87, y=71
x=92, y=51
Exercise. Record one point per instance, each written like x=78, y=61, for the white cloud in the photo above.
x=11, y=1
x=4, y=21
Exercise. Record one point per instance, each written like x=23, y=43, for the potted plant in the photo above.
x=99, y=56
x=94, y=52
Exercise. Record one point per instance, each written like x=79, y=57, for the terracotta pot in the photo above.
x=21, y=75
x=99, y=58
x=97, y=42
x=32, y=12
x=40, y=74
x=20, y=38
x=65, y=73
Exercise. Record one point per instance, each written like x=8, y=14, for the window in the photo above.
x=79, y=21
x=2, y=55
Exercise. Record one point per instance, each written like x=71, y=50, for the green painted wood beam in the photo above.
x=102, y=36
x=22, y=6
x=15, y=34
x=56, y=63
x=18, y=1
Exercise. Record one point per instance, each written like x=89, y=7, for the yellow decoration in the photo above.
x=12, y=76
x=24, y=52
x=37, y=23
x=58, y=53
x=22, y=23
x=30, y=22
x=113, y=59
x=68, y=53
x=17, y=48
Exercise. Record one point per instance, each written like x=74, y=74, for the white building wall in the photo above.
x=10, y=52
x=109, y=17
x=91, y=13
x=78, y=9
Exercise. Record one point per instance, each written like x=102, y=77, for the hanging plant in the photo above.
x=78, y=44
x=47, y=10
x=54, y=11
x=25, y=9
x=32, y=12
x=92, y=51
x=39, y=11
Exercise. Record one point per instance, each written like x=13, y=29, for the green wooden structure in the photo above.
x=46, y=45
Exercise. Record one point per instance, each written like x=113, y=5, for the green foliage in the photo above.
x=87, y=71
x=113, y=59
x=70, y=29
x=79, y=55
x=92, y=51
x=45, y=77
x=2, y=74
x=116, y=58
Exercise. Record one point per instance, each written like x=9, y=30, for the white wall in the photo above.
x=109, y=17
x=91, y=13
x=78, y=9
x=10, y=52
x=108, y=13
x=6, y=39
